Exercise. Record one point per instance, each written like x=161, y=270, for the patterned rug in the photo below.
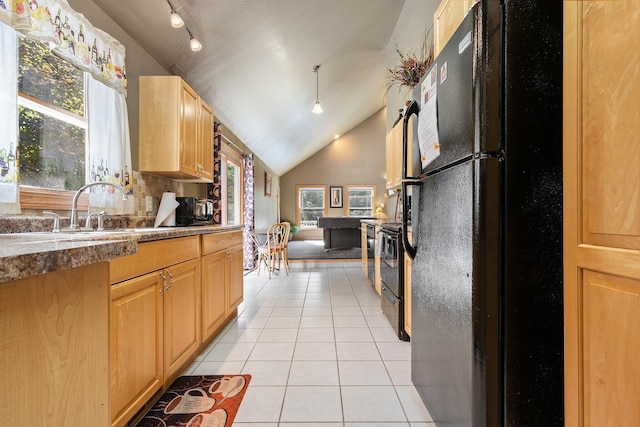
x=198, y=401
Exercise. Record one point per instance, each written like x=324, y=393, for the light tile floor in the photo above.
x=319, y=351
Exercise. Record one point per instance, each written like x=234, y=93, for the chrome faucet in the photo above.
x=73, y=221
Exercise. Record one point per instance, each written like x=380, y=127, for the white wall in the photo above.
x=356, y=158
x=415, y=19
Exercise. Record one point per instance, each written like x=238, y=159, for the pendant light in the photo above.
x=317, y=108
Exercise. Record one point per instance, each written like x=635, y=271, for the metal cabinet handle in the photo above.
x=170, y=279
x=164, y=283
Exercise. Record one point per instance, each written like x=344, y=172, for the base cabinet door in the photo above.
x=136, y=344
x=181, y=310
x=364, y=255
x=235, y=279
x=214, y=305
x=376, y=263
x=601, y=190
x=407, y=290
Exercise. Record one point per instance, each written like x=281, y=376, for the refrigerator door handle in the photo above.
x=407, y=181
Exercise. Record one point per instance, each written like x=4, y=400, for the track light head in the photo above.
x=176, y=19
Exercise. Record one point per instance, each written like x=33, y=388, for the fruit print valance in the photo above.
x=70, y=35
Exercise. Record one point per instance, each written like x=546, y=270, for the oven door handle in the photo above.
x=388, y=293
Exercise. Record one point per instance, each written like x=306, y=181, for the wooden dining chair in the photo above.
x=275, y=248
x=285, y=252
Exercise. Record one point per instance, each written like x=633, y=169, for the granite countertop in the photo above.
x=29, y=254
x=379, y=222
x=385, y=223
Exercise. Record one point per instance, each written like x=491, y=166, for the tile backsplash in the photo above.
x=151, y=185
x=143, y=185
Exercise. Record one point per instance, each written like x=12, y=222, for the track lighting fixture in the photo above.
x=317, y=108
x=178, y=22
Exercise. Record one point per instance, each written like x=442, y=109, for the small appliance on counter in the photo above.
x=194, y=211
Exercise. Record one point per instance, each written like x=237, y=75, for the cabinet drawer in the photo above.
x=219, y=241
x=153, y=256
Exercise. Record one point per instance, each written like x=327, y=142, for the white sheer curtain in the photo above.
x=9, y=189
x=109, y=149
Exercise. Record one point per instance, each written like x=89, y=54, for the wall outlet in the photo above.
x=149, y=200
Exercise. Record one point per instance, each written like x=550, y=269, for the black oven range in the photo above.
x=392, y=277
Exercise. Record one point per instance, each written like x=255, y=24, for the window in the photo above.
x=311, y=205
x=360, y=200
x=51, y=119
x=232, y=187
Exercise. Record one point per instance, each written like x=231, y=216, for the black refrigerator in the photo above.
x=486, y=218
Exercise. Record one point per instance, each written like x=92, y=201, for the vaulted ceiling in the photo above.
x=256, y=65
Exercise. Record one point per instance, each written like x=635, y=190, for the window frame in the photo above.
x=364, y=187
x=51, y=198
x=300, y=187
x=228, y=153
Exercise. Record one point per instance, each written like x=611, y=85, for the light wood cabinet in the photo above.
x=601, y=213
x=447, y=19
x=176, y=130
x=222, y=280
x=155, y=320
x=394, y=156
x=407, y=289
x=136, y=344
x=363, y=249
x=214, y=306
x=235, y=283
x=205, y=142
x=181, y=313
x=54, y=349
x=376, y=266
x=390, y=158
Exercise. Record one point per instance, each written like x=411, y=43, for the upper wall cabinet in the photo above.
x=447, y=19
x=176, y=130
x=394, y=156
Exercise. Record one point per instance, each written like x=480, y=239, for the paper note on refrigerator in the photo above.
x=428, y=119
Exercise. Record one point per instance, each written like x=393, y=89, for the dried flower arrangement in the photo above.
x=410, y=68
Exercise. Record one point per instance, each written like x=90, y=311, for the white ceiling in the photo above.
x=256, y=66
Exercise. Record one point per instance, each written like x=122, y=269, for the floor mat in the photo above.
x=198, y=401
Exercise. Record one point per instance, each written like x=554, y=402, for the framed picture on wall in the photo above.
x=267, y=184
x=336, y=197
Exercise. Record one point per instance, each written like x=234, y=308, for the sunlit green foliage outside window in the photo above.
x=51, y=120
x=311, y=205
x=360, y=201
